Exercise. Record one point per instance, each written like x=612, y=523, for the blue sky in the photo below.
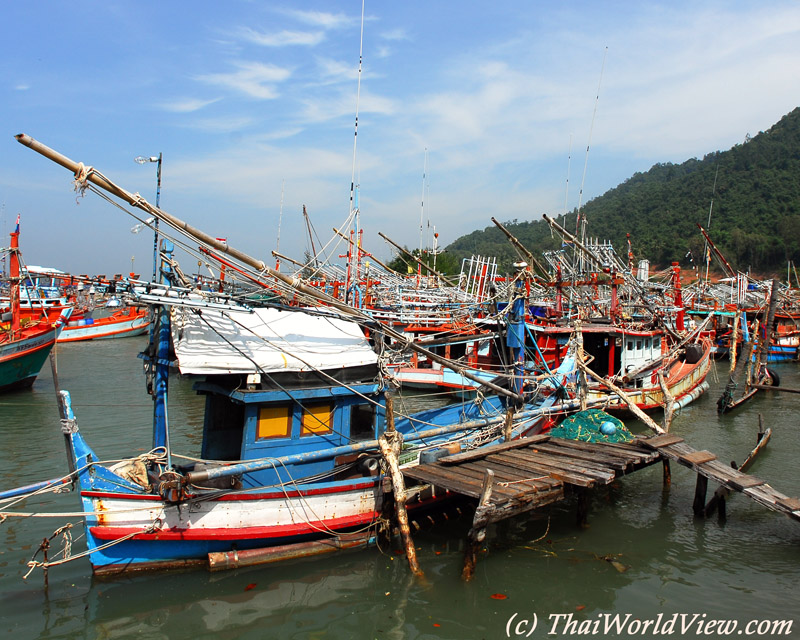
x=247, y=100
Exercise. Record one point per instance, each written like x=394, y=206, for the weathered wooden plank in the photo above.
x=518, y=481
x=792, y=504
x=521, y=478
x=559, y=475
x=608, y=461
x=452, y=482
x=603, y=474
x=624, y=451
x=464, y=483
x=744, y=481
x=482, y=452
x=697, y=457
x=567, y=473
x=656, y=442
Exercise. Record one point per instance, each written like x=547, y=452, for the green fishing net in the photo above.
x=592, y=425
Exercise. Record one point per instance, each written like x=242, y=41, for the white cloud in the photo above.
x=323, y=19
x=22, y=87
x=253, y=79
x=187, y=105
x=282, y=38
x=395, y=35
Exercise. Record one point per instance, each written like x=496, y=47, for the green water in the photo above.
x=664, y=561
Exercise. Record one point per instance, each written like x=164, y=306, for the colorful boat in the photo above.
x=23, y=346
x=289, y=457
x=130, y=321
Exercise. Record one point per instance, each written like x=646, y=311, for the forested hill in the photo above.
x=755, y=218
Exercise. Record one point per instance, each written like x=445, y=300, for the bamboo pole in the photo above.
x=423, y=264
x=624, y=396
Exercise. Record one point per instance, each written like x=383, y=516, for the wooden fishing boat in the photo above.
x=295, y=420
x=633, y=359
x=23, y=346
x=294, y=408
x=130, y=321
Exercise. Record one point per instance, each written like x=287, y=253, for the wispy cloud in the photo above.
x=253, y=79
x=322, y=19
x=187, y=105
x=22, y=87
x=282, y=38
x=395, y=35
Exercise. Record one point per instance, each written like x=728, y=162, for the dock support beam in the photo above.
x=477, y=534
x=391, y=443
x=700, y=489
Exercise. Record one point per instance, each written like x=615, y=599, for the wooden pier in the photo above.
x=707, y=467
x=517, y=476
x=520, y=475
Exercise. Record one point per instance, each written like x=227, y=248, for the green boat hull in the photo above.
x=21, y=360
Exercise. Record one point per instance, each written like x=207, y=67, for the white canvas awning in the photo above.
x=220, y=342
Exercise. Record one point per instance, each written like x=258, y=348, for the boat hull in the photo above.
x=21, y=360
x=115, y=326
x=685, y=382
x=139, y=533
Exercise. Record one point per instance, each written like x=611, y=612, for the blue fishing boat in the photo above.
x=296, y=412
x=289, y=460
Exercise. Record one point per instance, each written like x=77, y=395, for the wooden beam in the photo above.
x=477, y=534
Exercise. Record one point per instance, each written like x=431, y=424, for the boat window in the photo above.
x=657, y=342
x=647, y=343
x=317, y=419
x=638, y=345
x=362, y=421
x=630, y=345
x=274, y=422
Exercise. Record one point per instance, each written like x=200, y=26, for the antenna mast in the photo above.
x=354, y=213
x=586, y=159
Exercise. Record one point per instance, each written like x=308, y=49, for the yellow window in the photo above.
x=317, y=419
x=273, y=422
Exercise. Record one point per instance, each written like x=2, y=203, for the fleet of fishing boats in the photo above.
x=300, y=374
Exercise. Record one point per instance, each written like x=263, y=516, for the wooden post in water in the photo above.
x=509, y=423
x=717, y=501
x=391, y=443
x=700, y=495
x=477, y=534
x=669, y=410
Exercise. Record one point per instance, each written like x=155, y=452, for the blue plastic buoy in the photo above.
x=608, y=428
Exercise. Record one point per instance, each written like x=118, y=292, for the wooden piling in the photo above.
x=477, y=534
x=509, y=423
x=717, y=501
x=700, y=495
x=391, y=443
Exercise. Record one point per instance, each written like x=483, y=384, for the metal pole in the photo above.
x=155, y=224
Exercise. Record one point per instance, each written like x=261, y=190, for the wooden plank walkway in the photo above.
x=706, y=465
x=513, y=477
x=532, y=472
